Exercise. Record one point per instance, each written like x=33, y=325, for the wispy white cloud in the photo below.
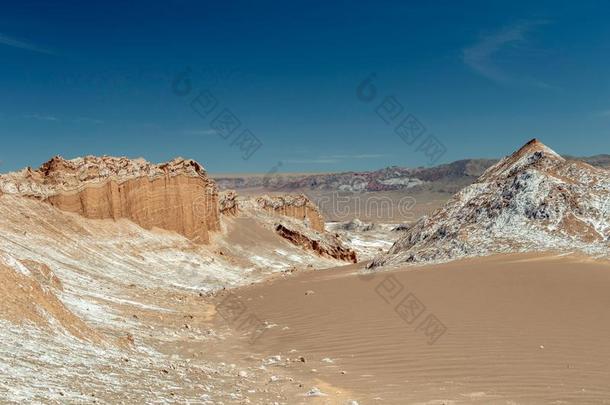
x=53, y=118
x=15, y=43
x=41, y=117
x=480, y=56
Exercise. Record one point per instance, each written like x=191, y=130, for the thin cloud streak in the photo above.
x=41, y=117
x=480, y=56
x=15, y=43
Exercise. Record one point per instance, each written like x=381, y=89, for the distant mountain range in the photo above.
x=446, y=178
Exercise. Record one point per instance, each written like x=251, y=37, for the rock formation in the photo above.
x=326, y=245
x=356, y=225
x=176, y=196
x=297, y=219
x=228, y=203
x=298, y=207
x=531, y=200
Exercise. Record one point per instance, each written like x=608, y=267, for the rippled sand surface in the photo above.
x=520, y=329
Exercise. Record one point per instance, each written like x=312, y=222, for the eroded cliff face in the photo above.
x=298, y=206
x=176, y=196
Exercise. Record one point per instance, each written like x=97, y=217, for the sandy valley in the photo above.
x=129, y=282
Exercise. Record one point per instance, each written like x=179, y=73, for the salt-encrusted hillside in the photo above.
x=108, y=269
x=531, y=200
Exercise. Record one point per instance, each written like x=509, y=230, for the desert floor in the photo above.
x=520, y=329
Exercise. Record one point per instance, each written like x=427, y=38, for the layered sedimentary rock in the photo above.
x=295, y=206
x=326, y=245
x=297, y=219
x=176, y=196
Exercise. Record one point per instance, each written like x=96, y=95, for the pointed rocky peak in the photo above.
x=534, y=154
x=533, y=146
x=532, y=200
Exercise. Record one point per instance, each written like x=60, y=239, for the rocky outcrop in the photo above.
x=176, y=196
x=326, y=245
x=228, y=203
x=529, y=201
x=299, y=207
x=297, y=219
x=356, y=225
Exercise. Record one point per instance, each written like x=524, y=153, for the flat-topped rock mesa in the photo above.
x=176, y=196
x=294, y=206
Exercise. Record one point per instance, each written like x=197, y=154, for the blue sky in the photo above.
x=481, y=77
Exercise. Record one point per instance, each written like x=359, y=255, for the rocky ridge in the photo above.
x=531, y=200
x=445, y=178
x=294, y=206
x=297, y=220
x=176, y=196
x=325, y=245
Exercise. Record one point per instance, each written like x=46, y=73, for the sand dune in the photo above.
x=520, y=329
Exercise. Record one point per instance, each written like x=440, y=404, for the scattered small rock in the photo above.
x=315, y=392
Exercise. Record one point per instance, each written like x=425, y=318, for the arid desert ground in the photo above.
x=129, y=282
x=305, y=202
